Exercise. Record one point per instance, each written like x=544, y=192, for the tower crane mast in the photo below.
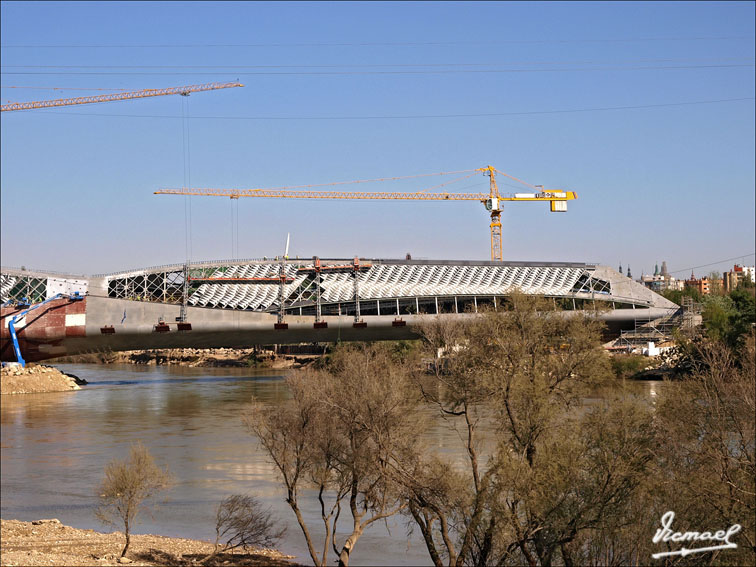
x=492, y=200
x=145, y=93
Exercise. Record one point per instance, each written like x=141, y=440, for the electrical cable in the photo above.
x=357, y=73
x=62, y=88
x=448, y=182
x=399, y=117
x=714, y=263
x=374, y=44
x=379, y=65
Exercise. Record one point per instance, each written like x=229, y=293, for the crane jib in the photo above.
x=117, y=96
x=557, y=198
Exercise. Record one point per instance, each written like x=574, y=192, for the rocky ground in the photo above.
x=36, y=378
x=48, y=542
x=214, y=357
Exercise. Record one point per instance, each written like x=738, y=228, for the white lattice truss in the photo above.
x=254, y=285
x=32, y=288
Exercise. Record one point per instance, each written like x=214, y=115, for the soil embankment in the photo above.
x=35, y=379
x=204, y=358
x=48, y=542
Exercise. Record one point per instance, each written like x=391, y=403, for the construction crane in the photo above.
x=185, y=91
x=492, y=200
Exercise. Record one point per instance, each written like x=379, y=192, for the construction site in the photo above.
x=236, y=303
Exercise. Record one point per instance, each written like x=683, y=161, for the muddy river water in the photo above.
x=54, y=448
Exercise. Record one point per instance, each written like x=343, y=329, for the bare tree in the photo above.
x=241, y=522
x=343, y=433
x=126, y=487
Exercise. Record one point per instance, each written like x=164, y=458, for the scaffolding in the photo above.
x=663, y=329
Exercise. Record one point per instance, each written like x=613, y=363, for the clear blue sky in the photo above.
x=344, y=91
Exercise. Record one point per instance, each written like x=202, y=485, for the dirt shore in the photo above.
x=34, y=379
x=48, y=542
x=215, y=357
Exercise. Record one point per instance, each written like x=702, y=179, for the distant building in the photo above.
x=661, y=280
x=732, y=279
x=655, y=282
x=750, y=271
x=703, y=285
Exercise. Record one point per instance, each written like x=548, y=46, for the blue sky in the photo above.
x=345, y=91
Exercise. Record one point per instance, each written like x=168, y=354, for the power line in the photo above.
x=376, y=44
x=402, y=72
x=60, y=88
x=379, y=65
x=407, y=116
x=714, y=263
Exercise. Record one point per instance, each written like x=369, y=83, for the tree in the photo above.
x=729, y=318
x=556, y=469
x=747, y=282
x=345, y=432
x=743, y=318
x=126, y=487
x=677, y=295
x=716, y=286
x=717, y=313
x=241, y=522
x=707, y=439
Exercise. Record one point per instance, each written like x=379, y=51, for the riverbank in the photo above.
x=35, y=379
x=48, y=542
x=201, y=358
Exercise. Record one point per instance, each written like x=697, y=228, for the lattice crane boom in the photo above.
x=186, y=90
x=492, y=200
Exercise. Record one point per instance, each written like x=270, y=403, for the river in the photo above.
x=54, y=448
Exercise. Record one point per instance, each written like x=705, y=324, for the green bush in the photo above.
x=628, y=365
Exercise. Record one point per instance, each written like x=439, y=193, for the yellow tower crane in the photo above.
x=118, y=96
x=492, y=200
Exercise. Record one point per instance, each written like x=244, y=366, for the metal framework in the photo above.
x=35, y=286
x=492, y=200
x=186, y=90
x=328, y=287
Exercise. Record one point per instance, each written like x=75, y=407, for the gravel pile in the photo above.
x=34, y=379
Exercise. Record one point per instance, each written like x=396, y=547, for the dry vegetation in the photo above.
x=578, y=470
x=574, y=468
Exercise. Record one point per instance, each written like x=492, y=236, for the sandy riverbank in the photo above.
x=48, y=542
x=35, y=379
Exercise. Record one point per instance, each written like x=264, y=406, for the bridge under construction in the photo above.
x=241, y=303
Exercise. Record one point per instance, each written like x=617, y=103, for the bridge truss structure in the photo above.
x=355, y=286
